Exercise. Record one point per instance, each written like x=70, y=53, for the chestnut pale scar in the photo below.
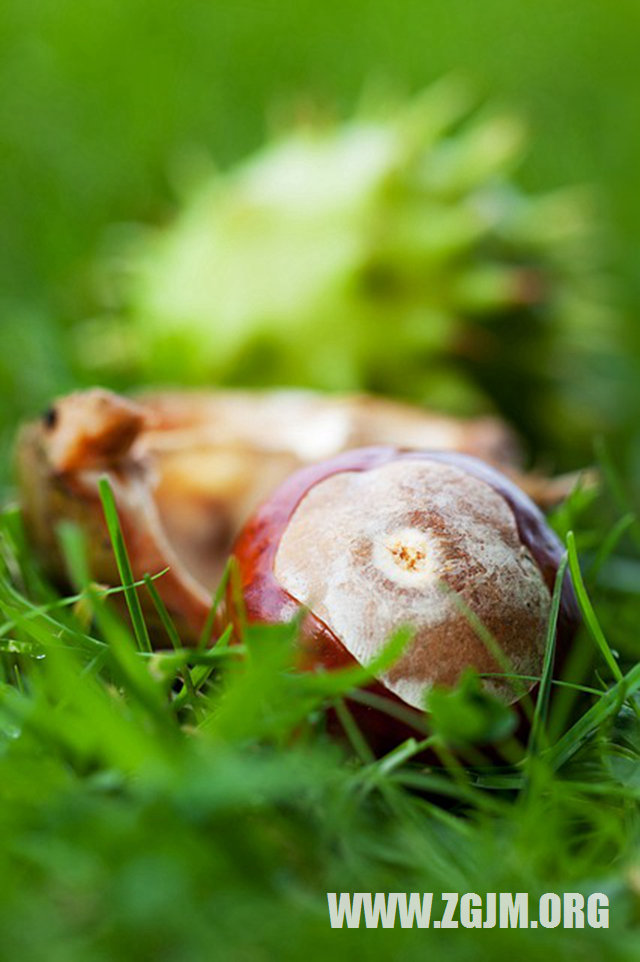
x=437, y=536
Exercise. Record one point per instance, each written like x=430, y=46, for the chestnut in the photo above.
x=378, y=538
x=187, y=468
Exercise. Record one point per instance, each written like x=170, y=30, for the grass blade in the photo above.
x=205, y=635
x=542, y=703
x=588, y=613
x=124, y=565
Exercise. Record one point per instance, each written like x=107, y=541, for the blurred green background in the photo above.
x=96, y=98
x=99, y=102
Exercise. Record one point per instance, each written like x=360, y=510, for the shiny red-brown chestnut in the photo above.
x=380, y=538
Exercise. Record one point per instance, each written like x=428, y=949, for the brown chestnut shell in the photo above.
x=267, y=601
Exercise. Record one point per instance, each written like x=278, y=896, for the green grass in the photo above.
x=188, y=804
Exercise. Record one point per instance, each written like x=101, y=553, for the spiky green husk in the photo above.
x=392, y=253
